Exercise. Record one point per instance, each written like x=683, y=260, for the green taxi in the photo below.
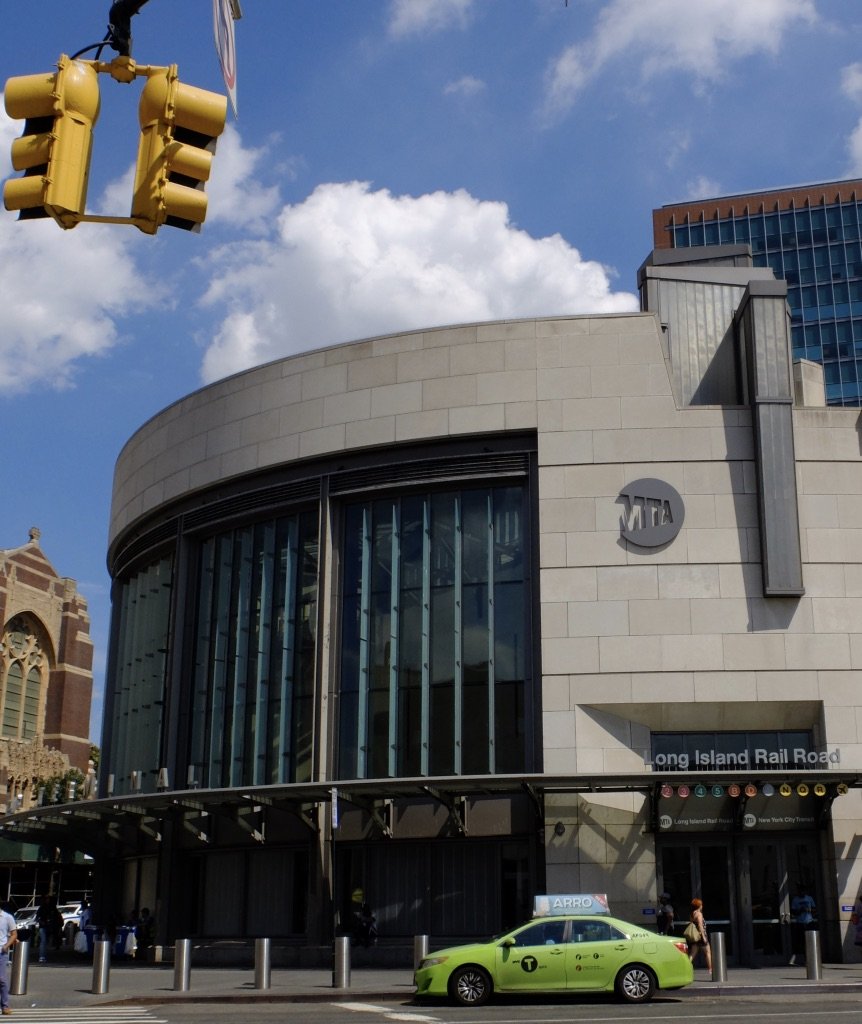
x=571, y=953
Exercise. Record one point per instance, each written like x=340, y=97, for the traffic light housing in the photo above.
x=59, y=111
x=179, y=127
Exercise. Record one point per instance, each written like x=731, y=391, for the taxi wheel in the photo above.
x=470, y=986
x=635, y=984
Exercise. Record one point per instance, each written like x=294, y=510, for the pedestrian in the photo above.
x=856, y=921
x=696, y=936
x=802, y=909
x=45, y=924
x=665, y=917
x=8, y=938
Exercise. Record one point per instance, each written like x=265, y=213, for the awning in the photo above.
x=96, y=825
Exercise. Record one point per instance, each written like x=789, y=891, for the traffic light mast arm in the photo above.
x=120, y=25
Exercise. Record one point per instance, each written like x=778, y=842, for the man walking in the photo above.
x=8, y=938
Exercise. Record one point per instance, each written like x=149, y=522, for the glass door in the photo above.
x=780, y=897
x=761, y=891
x=701, y=868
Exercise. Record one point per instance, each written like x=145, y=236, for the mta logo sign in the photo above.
x=653, y=513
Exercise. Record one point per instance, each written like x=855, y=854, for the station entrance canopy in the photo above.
x=677, y=802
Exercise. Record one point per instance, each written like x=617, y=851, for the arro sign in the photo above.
x=653, y=513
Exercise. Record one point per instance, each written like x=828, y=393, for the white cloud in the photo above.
x=352, y=263
x=851, y=86
x=59, y=292
x=466, y=86
x=701, y=38
x=854, y=146
x=851, y=82
x=62, y=293
x=234, y=198
x=702, y=188
x=411, y=17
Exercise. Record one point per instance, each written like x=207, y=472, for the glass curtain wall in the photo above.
x=435, y=658
x=253, y=680
x=140, y=676
x=817, y=250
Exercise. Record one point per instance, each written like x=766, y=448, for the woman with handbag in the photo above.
x=695, y=935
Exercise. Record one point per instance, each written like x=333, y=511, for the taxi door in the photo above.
x=533, y=959
x=595, y=952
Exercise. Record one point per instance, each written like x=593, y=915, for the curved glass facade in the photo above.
x=435, y=648
x=430, y=606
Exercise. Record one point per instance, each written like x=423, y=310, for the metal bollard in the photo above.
x=20, y=954
x=101, y=966
x=182, y=965
x=262, y=963
x=719, y=957
x=341, y=968
x=420, y=949
x=813, y=960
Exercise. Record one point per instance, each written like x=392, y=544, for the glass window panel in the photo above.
x=139, y=662
x=463, y=661
x=697, y=235
x=255, y=655
x=12, y=700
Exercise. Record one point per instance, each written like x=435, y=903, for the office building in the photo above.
x=811, y=237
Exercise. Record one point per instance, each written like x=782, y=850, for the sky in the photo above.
x=395, y=164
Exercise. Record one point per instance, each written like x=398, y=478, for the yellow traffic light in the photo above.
x=179, y=128
x=59, y=111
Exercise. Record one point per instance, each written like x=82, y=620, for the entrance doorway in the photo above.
x=759, y=890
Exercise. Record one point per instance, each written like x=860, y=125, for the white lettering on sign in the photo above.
x=759, y=757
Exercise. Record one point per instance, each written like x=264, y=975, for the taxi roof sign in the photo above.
x=555, y=904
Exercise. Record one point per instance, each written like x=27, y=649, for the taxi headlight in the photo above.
x=432, y=961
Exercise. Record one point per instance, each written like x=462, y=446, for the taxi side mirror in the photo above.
x=508, y=941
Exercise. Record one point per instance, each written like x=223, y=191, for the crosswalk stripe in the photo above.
x=85, y=1014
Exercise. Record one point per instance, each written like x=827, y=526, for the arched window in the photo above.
x=23, y=676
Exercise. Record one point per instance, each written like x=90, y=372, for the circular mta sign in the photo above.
x=653, y=512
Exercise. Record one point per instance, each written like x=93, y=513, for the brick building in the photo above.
x=46, y=677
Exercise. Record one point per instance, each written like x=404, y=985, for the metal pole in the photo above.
x=101, y=966
x=420, y=949
x=20, y=954
x=341, y=970
x=182, y=965
x=719, y=957
x=813, y=961
x=262, y=963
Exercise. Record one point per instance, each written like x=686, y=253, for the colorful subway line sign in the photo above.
x=749, y=789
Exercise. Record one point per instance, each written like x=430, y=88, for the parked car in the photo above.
x=71, y=914
x=25, y=922
x=559, y=954
x=27, y=928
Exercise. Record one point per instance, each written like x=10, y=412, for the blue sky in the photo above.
x=395, y=164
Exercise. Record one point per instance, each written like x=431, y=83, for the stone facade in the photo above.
x=678, y=638
x=47, y=658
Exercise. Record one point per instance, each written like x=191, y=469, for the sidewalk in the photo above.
x=64, y=985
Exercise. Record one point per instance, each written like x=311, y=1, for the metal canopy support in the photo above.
x=373, y=810
x=456, y=805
